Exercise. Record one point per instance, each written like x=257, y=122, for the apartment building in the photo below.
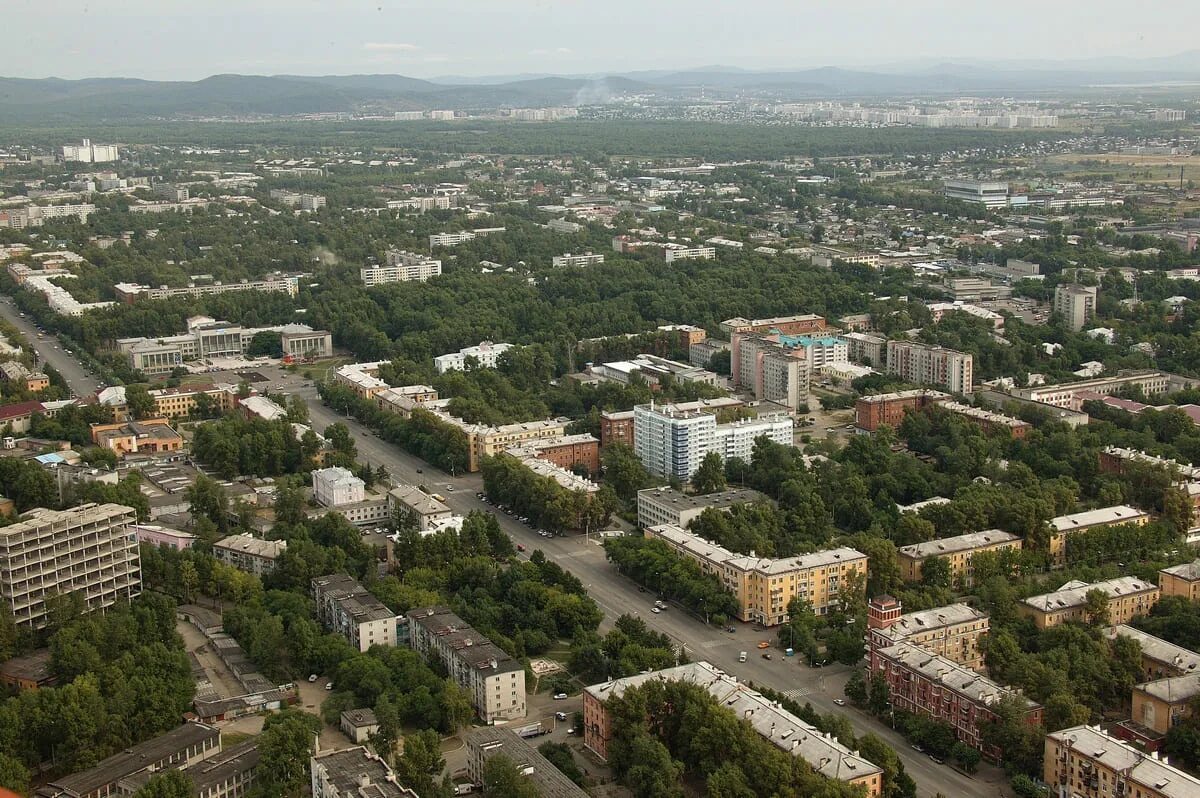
x=1128, y=597
x=362, y=378
x=1062, y=527
x=988, y=420
x=354, y=773
x=663, y=505
x=683, y=336
x=579, y=261
x=1160, y=658
x=799, y=324
x=405, y=398
x=1085, y=762
x=304, y=202
x=454, y=239
x=88, y=550
x=872, y=412
x=654, y=370
x=762, y=586
x=173, y=403
x=952, y=631
x=1115, y=460
x=672, y=440
x=957, y=551
x=336, y=486
x=277, y=282
x=401, y=267
x=248, y=553
x=672, y=253
x=22, y=377
x=1181, y=580
x=938, y=310
x=151, y=436
x=825, y=257
x=348, y=609
x=1076, y=304
x=420, y=204
x=975, y=289
x=422, y=510
x=162, y=536
x=486, y=355
x=933, y=686
x=779, y=368
x=495, y=681
x=1160, y=704
x=181, y=748
x=87, y=152
x=565, y=452
x=486, y=743
x=866, y=348
x=616, y=426
x=781, y=728
x=926, y=364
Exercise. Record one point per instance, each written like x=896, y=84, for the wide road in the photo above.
x=617, y=595
x=50, y=350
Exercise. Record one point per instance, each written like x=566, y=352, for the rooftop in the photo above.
x=1157, y=649
x=1189, y=571
x=948, y=673
x=1137, y=766
x=912, y=623
x=688, y=501
x=707, y=550
x=357, y=772
x=967, y=542
x=1074, y=593
x=467, y=644
x=250, y=546
x=914, y=393
x=1174, y=689
x=549, y=780
x=1118, y=514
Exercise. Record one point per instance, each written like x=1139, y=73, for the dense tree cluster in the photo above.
x=547, y=504
x=629, y=647
x=652, y=564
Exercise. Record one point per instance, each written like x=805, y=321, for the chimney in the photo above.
x=364, y=780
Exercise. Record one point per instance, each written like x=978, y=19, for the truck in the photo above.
x=531, y=730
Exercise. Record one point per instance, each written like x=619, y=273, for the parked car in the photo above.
x=560, y=715
x=742, y=657
x=841, y=702
x=560, y=696
x=329, y=685
x=312, y=677
x=655, y=610
x=764, y=644
x=766, y=655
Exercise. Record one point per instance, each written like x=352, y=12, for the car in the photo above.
x=841, y=702
x=329, y=685
x=742, y=656
x=730, y=629
x=655, y=610
x=520, y=547
x=918, y=748
x=560, y=715
x=764, y=644
x=312, y=677
x=420, y=471
x=766, y=655
x=936, y=760
x=560, y=696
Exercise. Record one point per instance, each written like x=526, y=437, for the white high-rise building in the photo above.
x=1076, y=304
x=672, y=440
x=990, y=193
x=401, y=267
x=87, y=152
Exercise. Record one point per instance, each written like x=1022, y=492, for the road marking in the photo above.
x=718, y=641
x=799, y=692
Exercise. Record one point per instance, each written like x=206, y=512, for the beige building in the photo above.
x=1160, y=658
x=1064, y=526
x=359, y=724
x=424, y=510
x=1084, y=762
x=354, y=773
x=248, y=553
x=957, y=551
x=494, y=680
x=1160, y=704
x=952, y=631
x=346, y=607
x=762, y=586
x=172, y=403
x=668, y=506
x=1128, y=597
x=89, y=550
x=781, y=728
x=1181, y=580
x=492, y=741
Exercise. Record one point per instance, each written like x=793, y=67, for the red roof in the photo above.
x=19, y=409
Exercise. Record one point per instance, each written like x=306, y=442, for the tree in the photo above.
x=623, y=471
x=966, y=756
x=1095, y=607
x=166, y=784
x=559, y=755
x=13, y=774
x=140, y=402
x=502, y=779
x=935, y=572
x=420, y=762
x=268, y=343
x=710, y=476
x=285, y=746
x=206, y=499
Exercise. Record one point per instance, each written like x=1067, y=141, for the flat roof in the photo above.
x=551, y=782
x=468, y=645
x=252, y=546
x=357, y=772
x=1117, y=514
x=678, y=500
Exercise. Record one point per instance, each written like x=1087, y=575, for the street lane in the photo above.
x=50, y=350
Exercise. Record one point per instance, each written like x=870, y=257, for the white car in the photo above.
x=560, y=696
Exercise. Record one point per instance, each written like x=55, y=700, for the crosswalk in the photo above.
x=799, y=692
x=715, y=642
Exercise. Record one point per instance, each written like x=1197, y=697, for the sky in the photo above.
x=191, y=39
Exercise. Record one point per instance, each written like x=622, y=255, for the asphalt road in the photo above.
x=50, y=350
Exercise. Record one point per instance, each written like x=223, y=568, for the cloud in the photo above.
x=554, y=51
x=389, y=47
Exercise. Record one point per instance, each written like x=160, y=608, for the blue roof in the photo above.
x=808, y=340
x=52, y=457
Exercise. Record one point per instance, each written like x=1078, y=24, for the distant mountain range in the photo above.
x=122, y=99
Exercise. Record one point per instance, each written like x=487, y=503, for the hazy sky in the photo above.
x=189, y=39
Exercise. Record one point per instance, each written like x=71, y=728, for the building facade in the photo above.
x=1128, y=597
x=1076, y=304
x=1085, y=762
x=401, y=267
x=953, y=631
x=957, y=551
x=925, y=364
x=248, y=553
x=88, y=550
x=347, y=608
x=354, y=773
x=336, y=486
x=872, y=412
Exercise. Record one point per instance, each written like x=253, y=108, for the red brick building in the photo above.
x=570, y=450
x=872, y=412
x=616, y=427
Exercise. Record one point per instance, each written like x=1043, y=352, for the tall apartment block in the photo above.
x=401, y=267
x=90, y=550
x=495, y=681
x=672, y=440
x=1076, y=304
x=778, y=367
x=926, y=364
